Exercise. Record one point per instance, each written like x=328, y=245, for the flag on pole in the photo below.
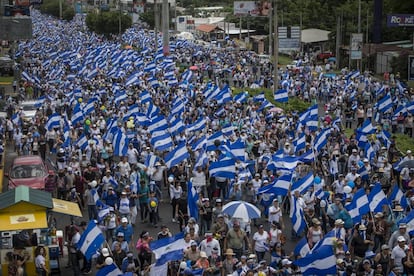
x=180, y=153
x=91, y=240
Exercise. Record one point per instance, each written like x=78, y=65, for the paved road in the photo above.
x=164, y=211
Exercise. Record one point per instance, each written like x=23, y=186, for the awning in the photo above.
x=23, y=220
x=66, y=207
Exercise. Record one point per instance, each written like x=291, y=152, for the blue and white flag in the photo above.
x=285, y=163
x=82, y=142
x=369, y=152
x=223, y=168
x=397, y=196
x=367, y=127
x=53, y=121
x=385, y=104
x=120, y=143
x=174, y=157
x=259, y=97
x=210, y=146
x=166, y=250
x=39, y=102
x=145, y=97
x=151, y=160
x=321, y=139
x=16, y=119
x=109, y=270
x=302, y=248
x=91, y=240
x=90, y=106
x=363, y=173
x=164, y=246
x=409, y=220
x=200, y=143
x=227, y=130
x=303, y=184
x=238, y=149
x=328, y=240
x=241, y=97
x=298, y=219
x=192, y=199
x=161, y=140
x=300, y=142
x=77, y=115
x=202, y=160
x=198, y=125
x=359, y=206
x=158, y=123
x=281, y=96
x=280, y=186
x=321, y=262
x=187, y=75
x=377, y=198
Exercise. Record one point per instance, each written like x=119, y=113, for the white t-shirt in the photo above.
x=40, y=261
x=274, y=235
x=397, y=255
x=260, y=244
x=274, y=217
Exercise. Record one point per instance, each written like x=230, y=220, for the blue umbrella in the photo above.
x=241, y=209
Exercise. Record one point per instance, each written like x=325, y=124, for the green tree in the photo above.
x=51, y=7
x=107, y=23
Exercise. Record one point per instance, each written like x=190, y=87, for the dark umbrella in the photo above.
x=408, y=163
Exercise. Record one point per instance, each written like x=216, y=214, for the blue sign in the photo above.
x=400, y=20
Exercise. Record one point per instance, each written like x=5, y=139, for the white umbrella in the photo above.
x=241, y=209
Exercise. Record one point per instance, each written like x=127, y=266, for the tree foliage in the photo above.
x=107, y=23
x=51, y=7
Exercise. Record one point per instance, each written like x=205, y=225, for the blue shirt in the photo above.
x=128, y=232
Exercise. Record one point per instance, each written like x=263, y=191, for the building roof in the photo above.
x=314, y=35
x=208, y=28
x=25, y=194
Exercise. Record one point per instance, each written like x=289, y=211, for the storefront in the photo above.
x=24, y=225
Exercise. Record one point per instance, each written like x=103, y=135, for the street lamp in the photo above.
x=275, y=49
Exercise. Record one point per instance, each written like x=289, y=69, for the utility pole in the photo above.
x=359, y=31
x=157, y=23
x=338, y=41
x=270, y=29
x=165, y=27
x=60, y=9
x=120, y=19
x=276, y=50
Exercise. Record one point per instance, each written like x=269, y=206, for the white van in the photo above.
x=263, y=59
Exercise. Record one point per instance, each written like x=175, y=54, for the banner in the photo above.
x=411, y=68
x=252, y=8
x=400, y=20
x=356, y=45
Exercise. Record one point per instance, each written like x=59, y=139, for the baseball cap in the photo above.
x=286, y=262
x=105, y=252
x=401, y=239
x=120, y=234
x=124, y=220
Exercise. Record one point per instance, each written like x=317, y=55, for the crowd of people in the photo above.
x=131, y=93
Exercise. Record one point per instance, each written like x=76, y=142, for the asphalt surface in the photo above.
x=164, y=213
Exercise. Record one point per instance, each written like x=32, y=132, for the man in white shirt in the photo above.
x=398, y=253
x=209, y=243
x=275, y=213
x=132, y=154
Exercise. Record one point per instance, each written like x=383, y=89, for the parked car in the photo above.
x=325, y=55
x=29, y=170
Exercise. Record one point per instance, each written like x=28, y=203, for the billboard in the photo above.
x=356, y=46
x=252, y=8
x=289, y=39
x=400, y=20
x=411, y=68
